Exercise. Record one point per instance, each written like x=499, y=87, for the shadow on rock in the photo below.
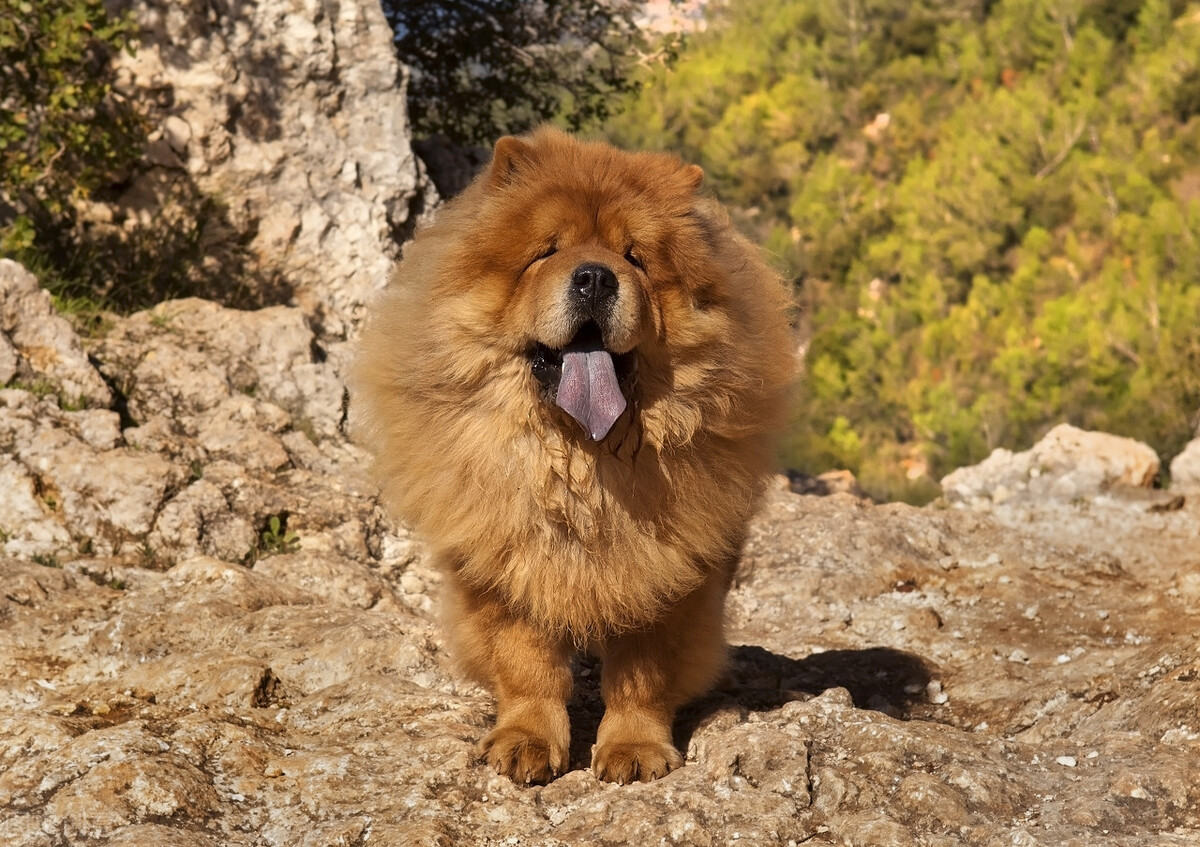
x=757, y=680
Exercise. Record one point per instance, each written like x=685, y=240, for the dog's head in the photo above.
x=589, y=264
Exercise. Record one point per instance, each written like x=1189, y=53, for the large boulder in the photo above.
x=223, y=421
x=1068, y=463
x=292, y=114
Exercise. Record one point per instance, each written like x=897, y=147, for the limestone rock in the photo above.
x=1185, y=468
x=869, y=699
x=109, y=496
x=293, y=113
x=38, y=346
x=1066, y=464
x=210, y=635
x=227, y=414
x=226, y=374
x=8, y=360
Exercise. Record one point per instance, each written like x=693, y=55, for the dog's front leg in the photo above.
x=647, y=675
x=530, y=674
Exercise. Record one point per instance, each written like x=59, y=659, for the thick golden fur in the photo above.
x=552, y=541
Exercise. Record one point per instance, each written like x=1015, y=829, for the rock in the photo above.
x=226, y=374
x=1185, y=468
x=228, y=416
x=1068, y=463
x=108, y=497
x=40, y=348
x=294, y=115
x=28, y=526
x=200, y=519
x=307, y=699
x=8, y=360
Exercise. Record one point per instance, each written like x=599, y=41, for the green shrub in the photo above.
x=71, y=145
x=64, y=132
x=991, y=211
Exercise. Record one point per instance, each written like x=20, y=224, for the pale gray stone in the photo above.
x=199, y=518
x=293, y=112
x=108, y=499
x=36, y=344
x=193, y=359
x=1066, y=464
x=8, y=360
x=100, y=429
x=27, y=523
x=1185, y=468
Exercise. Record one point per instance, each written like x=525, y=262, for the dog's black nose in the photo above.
x=594, y=287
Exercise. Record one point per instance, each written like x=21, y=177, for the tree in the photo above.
x=485, y=68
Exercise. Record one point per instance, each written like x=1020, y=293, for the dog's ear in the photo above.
x=509, y=156
x=693, y=176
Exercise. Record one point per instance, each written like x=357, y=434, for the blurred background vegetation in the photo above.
x=990, y=209
x=481, y=69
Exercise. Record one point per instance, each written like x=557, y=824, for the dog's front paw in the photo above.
x=634, y=761
x=523, y=756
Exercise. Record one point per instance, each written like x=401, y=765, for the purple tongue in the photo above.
x=588, y=389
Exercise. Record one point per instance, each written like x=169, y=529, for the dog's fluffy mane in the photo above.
x=584, y=539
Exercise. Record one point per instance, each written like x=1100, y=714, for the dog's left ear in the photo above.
x=693, y=176
x=508, y=157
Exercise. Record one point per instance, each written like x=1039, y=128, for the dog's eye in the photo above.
x=634, y=260
x=546, y=253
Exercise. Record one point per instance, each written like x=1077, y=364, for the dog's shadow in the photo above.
x=758, y=680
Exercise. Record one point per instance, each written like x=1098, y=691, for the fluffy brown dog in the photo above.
x=569, y=387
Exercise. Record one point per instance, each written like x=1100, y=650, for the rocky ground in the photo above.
x=210, y=634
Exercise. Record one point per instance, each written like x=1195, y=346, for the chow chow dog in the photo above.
x=569, y=388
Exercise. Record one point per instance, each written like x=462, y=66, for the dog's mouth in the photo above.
x=584, y=379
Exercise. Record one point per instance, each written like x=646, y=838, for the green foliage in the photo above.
x=277, y=538
x=63, y=132
x=46, y=560
x=992, y=212
x=70, y=145
x=482, y=70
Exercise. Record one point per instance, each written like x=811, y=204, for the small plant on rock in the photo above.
x=46, y=560
x=277, y=538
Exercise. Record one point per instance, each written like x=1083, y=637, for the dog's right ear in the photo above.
x=508, y=158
